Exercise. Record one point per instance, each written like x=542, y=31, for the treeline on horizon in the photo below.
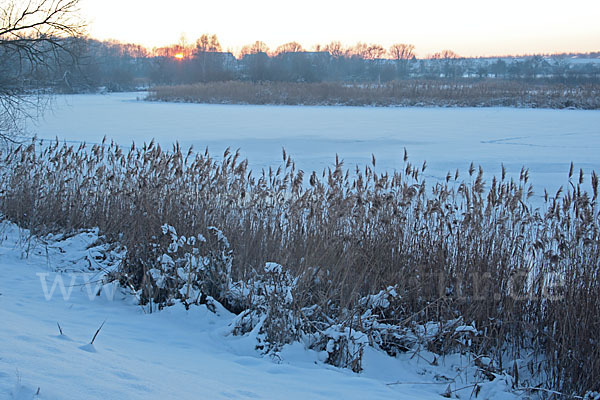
x=88, y=64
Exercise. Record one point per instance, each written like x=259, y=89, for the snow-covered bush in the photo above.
x=271, y=314
x=173, y=267
x=343, y=345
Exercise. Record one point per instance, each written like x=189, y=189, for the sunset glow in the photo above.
x=179, y=56
x=468, y=27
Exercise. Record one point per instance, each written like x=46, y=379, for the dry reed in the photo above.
x=467, y=93
x=527, y=278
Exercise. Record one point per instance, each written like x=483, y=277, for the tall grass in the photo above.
x=467, y=93
x=528, y=278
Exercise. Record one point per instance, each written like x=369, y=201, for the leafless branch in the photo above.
x=37, y=38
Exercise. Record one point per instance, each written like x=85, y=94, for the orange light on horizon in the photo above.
x=179, y=56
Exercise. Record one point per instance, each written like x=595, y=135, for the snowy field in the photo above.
x=545, y=141
x=172, y=354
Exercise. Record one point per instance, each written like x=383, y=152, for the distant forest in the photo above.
x=89, y=65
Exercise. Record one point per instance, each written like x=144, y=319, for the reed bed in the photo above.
x=466, y=248
x=456, y=93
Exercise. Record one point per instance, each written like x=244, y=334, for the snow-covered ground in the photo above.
x=171, y=354
x=545, y=141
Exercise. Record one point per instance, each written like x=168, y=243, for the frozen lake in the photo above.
x=545, y=141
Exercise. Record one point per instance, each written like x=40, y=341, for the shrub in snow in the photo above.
x=190, y=269
x=275, y=318
x=271, y=316
x=343, y=345
x=379, y=316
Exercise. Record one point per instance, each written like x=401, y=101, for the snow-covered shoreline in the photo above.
x=174, y=353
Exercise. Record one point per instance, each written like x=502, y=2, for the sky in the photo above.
x=468, y=27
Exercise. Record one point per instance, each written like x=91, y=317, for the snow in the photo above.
x=545, y=141
x=174, y=353
x=274, y=268
x=466, y=328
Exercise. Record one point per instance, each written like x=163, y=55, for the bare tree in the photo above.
x=450, y=62
x=444, y=55
x=336, y=49
x=367, y=51
x=359, y=50
x=208, y=57
x=291, y=47
x=402, y=53
x=208, y=44
x=375, y=51
x=36, y=38
x=254, y=48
